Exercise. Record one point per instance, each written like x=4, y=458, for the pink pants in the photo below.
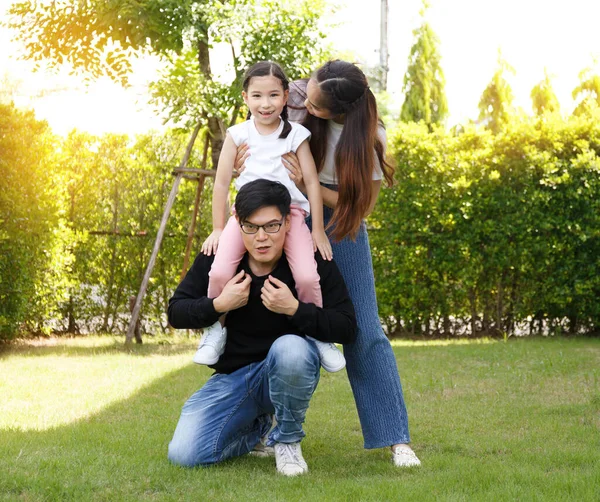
x=298, y=249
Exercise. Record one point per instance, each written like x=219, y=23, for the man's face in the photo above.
x=265, y=248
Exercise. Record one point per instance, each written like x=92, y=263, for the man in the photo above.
x=268, y=367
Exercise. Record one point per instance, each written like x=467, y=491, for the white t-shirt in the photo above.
x=265, y=156
x=328, y=174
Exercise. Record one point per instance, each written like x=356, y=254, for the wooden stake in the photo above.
x=190, y=239
x=159, y=237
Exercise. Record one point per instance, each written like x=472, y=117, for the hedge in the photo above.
x=493, y=234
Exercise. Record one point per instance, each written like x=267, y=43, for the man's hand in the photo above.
x=278, y=298
x=234, y=294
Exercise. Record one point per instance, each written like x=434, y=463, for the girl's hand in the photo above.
x=240, y=158
x=292, y=164
x=211, y=243
x=321, y=242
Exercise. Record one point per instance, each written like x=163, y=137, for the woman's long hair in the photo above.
x=269, y=68
x=345, y=91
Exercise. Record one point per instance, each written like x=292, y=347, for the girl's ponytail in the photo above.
x=287, y=127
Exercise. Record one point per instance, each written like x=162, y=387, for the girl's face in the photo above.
x=314, y=101
x=265, y=99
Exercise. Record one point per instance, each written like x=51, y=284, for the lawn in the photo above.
x=84, y=419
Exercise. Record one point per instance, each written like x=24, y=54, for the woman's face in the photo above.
x=314, y=101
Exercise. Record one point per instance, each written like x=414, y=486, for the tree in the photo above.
x=99, y=38
x=543, y=98
x=424, y=81
x=495, y=105
x=587, y=92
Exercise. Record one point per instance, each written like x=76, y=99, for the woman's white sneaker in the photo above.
x=404, y=456
x=289, y=459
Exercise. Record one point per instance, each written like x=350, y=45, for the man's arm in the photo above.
x=189, y=307
x=336, y=321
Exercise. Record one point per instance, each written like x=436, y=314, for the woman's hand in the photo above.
x=242, y=154
x=321, y=242
x=210, y=245
x=292, y=164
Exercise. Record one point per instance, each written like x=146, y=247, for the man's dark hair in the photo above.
x=262, y=193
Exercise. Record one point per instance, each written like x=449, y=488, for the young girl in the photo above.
x=269, y=135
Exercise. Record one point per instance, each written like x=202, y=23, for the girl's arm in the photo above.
x=220, y=193
x=313, y=192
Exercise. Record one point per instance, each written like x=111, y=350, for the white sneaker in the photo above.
x=212, y=344
x=403, y=456
x=332, y=359
x=262, y=450
x=289, y=459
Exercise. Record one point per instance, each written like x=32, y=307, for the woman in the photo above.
x=348, y=145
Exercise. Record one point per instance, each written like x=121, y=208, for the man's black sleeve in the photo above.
x=189, y=307
x=336, y=321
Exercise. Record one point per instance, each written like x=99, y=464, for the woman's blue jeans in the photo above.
x=370, y=360
x=229, y=415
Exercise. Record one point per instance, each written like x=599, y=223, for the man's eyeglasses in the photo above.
x=270, y=228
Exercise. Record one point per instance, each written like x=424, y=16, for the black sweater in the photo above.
x=253, y=328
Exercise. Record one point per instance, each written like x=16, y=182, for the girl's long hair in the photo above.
x=345, y=91
x=269, y=68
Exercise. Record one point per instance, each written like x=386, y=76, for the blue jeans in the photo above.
x=229, y=415
x=370, y=360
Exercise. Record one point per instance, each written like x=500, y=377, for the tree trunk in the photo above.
x=446, y=326
x=499, y=306
x=71, y=324
x=215, y=128
x=473, y=303
x=383, y=44
x=113, y=260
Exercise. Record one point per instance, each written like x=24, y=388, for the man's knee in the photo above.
x=192, y=444
x=186, y=454
x=294, y=355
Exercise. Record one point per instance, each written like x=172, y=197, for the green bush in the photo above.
x=499, y=234
x=116, y=190
x=31, y=236
x=78, y=219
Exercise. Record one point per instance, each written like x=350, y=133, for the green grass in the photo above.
x=85, y=419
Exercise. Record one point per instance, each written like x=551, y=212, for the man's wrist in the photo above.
x=219, y=305
x=292, y=310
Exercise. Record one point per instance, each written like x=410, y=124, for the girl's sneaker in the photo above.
x=332, y=359
x=212, y=345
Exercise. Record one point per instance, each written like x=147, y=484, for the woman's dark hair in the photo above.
x=263, y=69
x=345, y=91
x=262, y=193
